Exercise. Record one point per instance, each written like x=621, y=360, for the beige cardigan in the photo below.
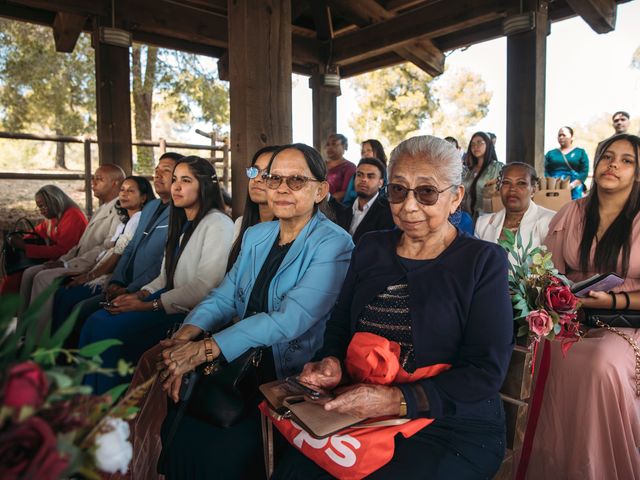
x=201, y=266
x=95, y=239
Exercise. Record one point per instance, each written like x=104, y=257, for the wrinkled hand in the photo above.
x=78, y=280
x=53, y=264
x=596, y=300
x=367, y=401
x=114, y=290
x=326, y=373
x=180, y=357
x=128, y=303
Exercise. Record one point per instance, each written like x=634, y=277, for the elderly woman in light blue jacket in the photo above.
x=283, y=287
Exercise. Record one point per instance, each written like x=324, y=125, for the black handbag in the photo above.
x=612, y=318
x=15, y=260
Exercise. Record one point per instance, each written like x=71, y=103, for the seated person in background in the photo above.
x=105, y=184
x=340, y=169
x=256, y=208
x=591, y=401
x=134, y=193
x=283, y=287
x=371, y=210
x=482, y=166
x=139, y=263
x=62, y=227
x=371, y=148
x=442, y=297
x=200, y=237
x=517, y=183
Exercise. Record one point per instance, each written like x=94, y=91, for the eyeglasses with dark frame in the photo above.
x=425, y=194
x=294, y=182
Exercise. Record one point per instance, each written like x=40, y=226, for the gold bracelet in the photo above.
x=403, y=408
x=208, y=349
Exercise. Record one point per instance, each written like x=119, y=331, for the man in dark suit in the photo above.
x=371, y=210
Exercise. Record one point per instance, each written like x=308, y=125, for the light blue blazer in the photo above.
x=302, y=294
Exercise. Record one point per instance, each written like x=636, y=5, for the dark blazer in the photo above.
x=460, y=315
x=141, y=260
x=377, y=218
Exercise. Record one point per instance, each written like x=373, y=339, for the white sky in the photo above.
x=587, y=74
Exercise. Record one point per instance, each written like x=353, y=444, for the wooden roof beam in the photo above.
x=77, y=7
x=67, y=28
x=419, y=23
x=384, y=60
x=600, y=15
x=422, y=53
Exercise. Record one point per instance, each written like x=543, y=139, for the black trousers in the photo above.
x=448, y=449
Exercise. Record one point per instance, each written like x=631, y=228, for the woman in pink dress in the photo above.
x=589, y=426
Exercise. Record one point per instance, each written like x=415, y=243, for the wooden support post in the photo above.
x=526, y=71
x=113, y=104
x=260, y=83
x=88, y=194
x=325, y=117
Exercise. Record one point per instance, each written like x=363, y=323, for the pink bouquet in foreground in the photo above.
x=543, y=304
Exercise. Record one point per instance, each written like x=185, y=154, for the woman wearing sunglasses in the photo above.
x=282, y=286
x=424, y=295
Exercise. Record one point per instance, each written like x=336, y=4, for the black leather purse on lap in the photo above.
x=612, y=318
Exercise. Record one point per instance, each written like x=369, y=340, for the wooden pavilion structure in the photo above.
x=259, y=43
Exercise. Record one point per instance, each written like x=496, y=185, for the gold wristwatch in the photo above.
x=403, y=408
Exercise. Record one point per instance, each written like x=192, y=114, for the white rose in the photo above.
x=113, y=450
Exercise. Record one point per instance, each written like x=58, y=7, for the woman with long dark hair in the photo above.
x=135, y=193
x=195, y=259
x=256, y=207
x=482, y=166
x=282, y=286
x=589, y=425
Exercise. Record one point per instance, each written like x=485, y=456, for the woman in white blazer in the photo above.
x=517, y=182
x=195, y=260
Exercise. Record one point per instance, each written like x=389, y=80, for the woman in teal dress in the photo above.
x=568, y=161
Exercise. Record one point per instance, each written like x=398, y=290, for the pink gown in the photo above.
x=589, y=426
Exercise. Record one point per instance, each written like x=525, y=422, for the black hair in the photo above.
x=376, y=163
x=171, y=156
x=492, y=136
x=568, y=128
x=471, y=162
x=340, y=137
x=145, y=189
x=209, y=197
x=617, y=238
x=452, y=141
x=316, y=164
x=251, y=213
x=531, y=172
x=378, y=150
x=621, y=112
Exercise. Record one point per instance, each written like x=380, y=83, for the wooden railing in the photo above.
x=87, y=141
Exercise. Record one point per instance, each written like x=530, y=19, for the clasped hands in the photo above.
x=129, y=302
x=181, y=355
x=360, y=400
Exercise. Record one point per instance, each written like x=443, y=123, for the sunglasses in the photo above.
x=425, y=194
x=294, y=182
x=253, y=172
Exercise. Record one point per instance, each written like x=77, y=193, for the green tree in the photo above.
x=40, y=88
x=398, y=101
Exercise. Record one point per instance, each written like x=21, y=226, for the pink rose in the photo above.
x=540, y=323
x=26, y=384
x=559, y=298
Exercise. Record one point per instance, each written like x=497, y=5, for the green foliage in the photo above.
x=39, y=86
x=398, y=101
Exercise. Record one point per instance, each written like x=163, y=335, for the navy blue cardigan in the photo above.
x=460, y=314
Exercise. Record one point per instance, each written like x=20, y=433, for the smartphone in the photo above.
x=313, y=392
x=106, y=304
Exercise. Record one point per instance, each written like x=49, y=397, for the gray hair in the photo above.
x=436, y=152
x=56, y=200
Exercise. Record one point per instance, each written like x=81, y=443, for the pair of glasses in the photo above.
x=253, y=172
x=294, y=182
x=425, y=194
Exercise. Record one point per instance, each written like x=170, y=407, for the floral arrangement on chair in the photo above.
x=52, y=426
x=543, y=304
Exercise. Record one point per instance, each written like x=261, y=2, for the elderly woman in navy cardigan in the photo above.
x=442, y=295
